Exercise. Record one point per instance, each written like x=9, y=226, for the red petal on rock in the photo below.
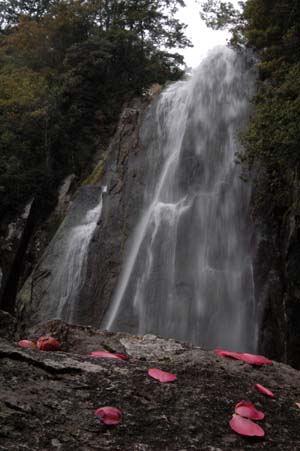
x=161, y=376
x=256, y=359
x=252, y=359
x=265, y=390
x=233, y=355
x=122, y=357
x=247, y=409
x=109, y=415
x=27, y=344
x=243, y=426
x=107, y=355
x=48, y=344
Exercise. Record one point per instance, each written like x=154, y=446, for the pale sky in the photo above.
x=202, y=37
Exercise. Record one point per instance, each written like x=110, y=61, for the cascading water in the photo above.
x=67, y=258
x=69, y=280
x=188, y=273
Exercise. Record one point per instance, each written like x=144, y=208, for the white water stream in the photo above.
x=188, y=272
x=69, y=273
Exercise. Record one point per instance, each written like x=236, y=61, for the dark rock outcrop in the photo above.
x=8, y=326
x=48, y=399
x=12, y=234
x=277, y=276
x=23, y=239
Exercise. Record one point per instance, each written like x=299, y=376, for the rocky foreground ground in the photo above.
x=48, y=399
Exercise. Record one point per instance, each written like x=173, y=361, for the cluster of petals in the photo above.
x=45, y=343
x=252, y=359
x=241, y=421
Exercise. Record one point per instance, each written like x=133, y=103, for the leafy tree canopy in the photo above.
x=271, y=143
x=67, y=67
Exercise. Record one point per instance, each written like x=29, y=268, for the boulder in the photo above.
x=49, y=399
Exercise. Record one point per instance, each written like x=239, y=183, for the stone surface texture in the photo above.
x=123, y=177
x=277, y=276
x=48, y=399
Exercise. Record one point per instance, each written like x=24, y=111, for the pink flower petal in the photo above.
x=27, y=344
x=108, y=355
x=256, y=359
x=48, y=344
x=161, y=376
x=265, y=390
x=252, y=359
x=243, y=426
x=222, y=353
x=247, y=409
x=298, y=404
x=122, y=357
x=109, y=415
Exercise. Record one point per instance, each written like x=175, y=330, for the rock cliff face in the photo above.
x=58, y=272
x=24, y=238
x=277, y=279
x=48, y=399
x=122, y=178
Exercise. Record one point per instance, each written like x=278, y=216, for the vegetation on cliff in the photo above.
x=271, y=143
x=66, y=69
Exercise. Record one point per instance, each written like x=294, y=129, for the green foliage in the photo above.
x=272, y=139
x=11, y=11
x=68, y=66
x=219, y=15
x=271, y=142
x=22, y=118
x=274, y=132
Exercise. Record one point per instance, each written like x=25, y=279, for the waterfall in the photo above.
x=62, y=271
x=71, y=276
x=188, y=272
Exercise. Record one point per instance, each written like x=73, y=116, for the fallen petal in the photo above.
x=108, y=355
x=252, y=359
x=247, y=409
x=161, y=376
x=122, y=357
x=243, y=426
x=27, y=344
x=48, y=344
x=265, y=390
x=233, y=355
x=109, y=415
x=256, y=359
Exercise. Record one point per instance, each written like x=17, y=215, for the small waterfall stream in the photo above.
x=67, y=281
x=65, y=262
x=188, y=272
